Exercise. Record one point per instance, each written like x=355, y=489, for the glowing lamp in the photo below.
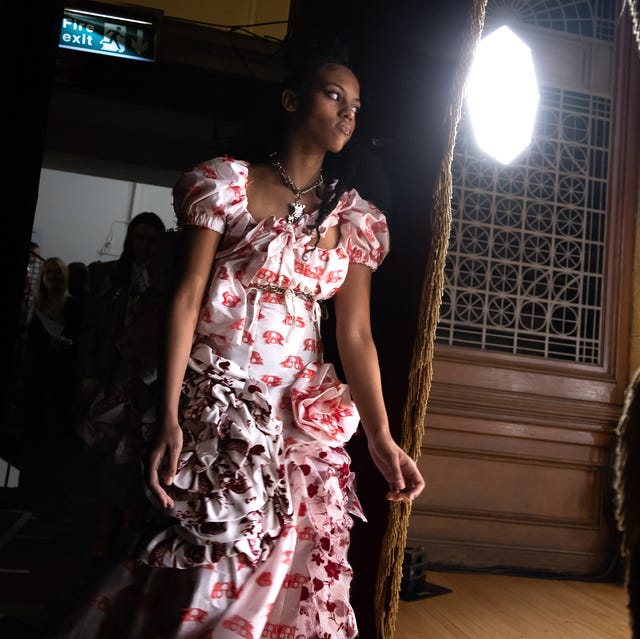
x=502, y=95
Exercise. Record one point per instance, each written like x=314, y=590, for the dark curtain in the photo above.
x=30, y=42
x=406, y=55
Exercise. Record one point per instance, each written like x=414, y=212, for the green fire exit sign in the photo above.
x=108, y=34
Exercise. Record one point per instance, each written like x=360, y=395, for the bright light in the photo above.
x=502, y=95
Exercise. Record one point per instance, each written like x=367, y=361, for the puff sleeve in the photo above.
x=364, y=231
x=211, y=193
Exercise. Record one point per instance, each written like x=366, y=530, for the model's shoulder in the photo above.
x=225, y=165
x=352, y=204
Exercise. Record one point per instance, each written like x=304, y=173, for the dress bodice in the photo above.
x=272, y=252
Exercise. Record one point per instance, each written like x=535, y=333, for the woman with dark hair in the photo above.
x=118, y=368
x=78, y=279
x=247, y=468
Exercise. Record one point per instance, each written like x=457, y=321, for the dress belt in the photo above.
x=281, y=290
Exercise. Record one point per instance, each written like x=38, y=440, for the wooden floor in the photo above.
x=487, y=606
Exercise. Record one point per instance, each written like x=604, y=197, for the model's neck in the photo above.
x=303, y=166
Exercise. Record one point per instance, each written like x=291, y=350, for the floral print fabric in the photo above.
x=264, y=496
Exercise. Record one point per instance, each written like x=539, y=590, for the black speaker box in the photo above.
x=414, y=585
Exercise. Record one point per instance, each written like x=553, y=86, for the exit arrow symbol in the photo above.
x=139, y=45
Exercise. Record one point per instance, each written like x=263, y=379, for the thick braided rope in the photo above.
x=389, y=574
x=627, y=469
x=627, y=452
x=634, y=11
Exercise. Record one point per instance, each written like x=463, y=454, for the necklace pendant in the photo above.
x=296, y=211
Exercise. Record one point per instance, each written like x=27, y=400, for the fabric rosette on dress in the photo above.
x=322, y=405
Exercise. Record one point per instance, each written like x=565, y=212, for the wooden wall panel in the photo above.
x=505, y=493
x=491, y=511
x=513, y=488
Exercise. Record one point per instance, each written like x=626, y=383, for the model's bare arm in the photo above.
x=200, y=247
x=359, y=359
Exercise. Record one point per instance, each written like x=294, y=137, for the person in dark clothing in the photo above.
x=45, y=406
x=118, y=365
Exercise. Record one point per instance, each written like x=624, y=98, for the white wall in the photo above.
x=83, y=218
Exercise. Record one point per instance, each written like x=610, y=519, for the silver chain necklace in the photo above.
x=296, y=208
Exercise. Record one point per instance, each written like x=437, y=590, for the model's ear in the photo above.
x=289, y=100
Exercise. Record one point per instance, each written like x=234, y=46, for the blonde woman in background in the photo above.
x=45, y=408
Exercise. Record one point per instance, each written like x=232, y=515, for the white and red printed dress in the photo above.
x=256, y=545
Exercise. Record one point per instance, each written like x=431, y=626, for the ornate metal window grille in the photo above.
x=589, y=18
x=526, y=256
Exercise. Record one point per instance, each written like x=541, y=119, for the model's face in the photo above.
x=326, y=114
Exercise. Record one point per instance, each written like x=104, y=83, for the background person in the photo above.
x=44, y=408
x=118, y=368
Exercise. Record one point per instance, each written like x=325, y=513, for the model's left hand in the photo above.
x=400, y=471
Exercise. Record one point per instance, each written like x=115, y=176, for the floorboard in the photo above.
x=489, y=606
